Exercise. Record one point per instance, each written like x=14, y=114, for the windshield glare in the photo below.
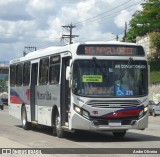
x=109, y=78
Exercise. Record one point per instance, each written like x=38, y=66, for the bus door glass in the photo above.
x=65, y=92
x=33, y=92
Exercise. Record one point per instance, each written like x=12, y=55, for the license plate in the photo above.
x=115, y=123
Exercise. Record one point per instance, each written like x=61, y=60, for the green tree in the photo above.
x=3, y=86
x=155, y=43
x=149, y=18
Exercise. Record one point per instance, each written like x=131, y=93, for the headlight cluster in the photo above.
x=141, y=114
x=146, y=109
x=81, y=111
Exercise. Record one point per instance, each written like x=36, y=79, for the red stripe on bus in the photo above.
x=123, y=114
x=15, y=100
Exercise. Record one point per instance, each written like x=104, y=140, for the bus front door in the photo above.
x=34, y=73
x=65, y=92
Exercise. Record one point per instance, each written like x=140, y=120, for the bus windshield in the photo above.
x=105, y=78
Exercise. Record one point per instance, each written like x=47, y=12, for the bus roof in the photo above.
x=109, y=43
x=57, y=49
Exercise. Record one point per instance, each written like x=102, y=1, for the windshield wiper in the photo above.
x=99, y=66
x=125, y=69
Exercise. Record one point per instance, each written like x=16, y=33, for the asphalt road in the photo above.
x=14, y=136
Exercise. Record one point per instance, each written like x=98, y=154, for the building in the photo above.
x=146, y=43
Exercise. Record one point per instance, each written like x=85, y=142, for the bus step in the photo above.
x=66, y=128
x=66, y=124
x=34, y=122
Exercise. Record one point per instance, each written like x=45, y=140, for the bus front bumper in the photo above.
x=81, y=123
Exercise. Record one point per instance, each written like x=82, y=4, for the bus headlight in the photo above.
x=81, y=111
x=143, y=112
x=146, y=109
x=77, y=109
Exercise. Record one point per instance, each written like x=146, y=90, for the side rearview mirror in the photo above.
x=68, y=73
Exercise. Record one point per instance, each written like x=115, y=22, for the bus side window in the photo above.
x=19, y=68
x=43, y=71
x=12, y=75
x=26, y=73
x=54, y=70
x=54, y=74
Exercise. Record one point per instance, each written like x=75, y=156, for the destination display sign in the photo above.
x=110, y=50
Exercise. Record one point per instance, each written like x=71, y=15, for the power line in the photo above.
x=117, y=36
x=101, y=13
x=125, y=32
x=95, y=17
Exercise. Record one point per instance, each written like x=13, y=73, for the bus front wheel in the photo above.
x=57, y=130
x=26, y=125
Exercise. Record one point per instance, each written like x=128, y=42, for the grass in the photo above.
x=154, y=72
x=154, y=77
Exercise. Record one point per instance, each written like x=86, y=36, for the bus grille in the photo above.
x=113, y=104
x=101, y=122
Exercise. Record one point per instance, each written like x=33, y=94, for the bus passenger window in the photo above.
x=54, y=70
x=12, y=75
x=26, y=73
x=19, y=74
x=54, y=74
x=43, y=71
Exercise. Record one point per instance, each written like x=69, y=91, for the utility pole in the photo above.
x=30, y=48
x=117, y=37
x=125, y=32
x=70, y=36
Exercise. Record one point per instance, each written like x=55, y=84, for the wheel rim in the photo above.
x=57, y=122
x=24, y=118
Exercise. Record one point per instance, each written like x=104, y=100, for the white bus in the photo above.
x=97, y=86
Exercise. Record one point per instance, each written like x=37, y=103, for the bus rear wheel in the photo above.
x=25, y=124
x=119, y=134
x=57, y=129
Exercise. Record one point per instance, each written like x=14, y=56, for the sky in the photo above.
x=38, y=23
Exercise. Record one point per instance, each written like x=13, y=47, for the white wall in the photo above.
x=145, y=42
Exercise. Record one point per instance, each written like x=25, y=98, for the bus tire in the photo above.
x=25, y=124
x=57, y=130
x=119, y=134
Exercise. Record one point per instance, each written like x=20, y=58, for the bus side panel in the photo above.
x=40, y=96
x=18, y=96
x=44, y=115
x=15, y=102
x=47, y=97
x=15, y=110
